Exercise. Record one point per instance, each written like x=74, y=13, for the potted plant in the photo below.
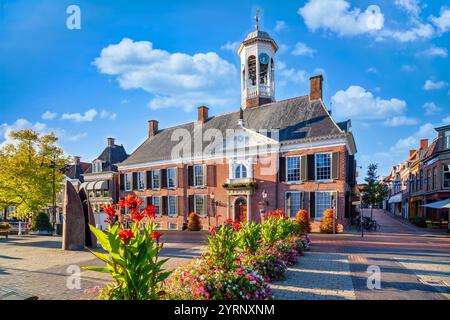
x=5, y=228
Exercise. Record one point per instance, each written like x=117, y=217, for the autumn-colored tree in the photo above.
x=26, y=180
x=328, y=224
x=194, y=223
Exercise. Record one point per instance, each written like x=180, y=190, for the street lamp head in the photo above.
x=264, y=194
x=212, y=195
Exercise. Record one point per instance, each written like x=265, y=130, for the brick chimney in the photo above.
x=76, y=159
x=411, y=152
x=152, y=128
x=423, y=144
x=316, y=87
x=110, y=141
x=202, y=114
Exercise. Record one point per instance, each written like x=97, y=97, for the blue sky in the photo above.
x=385, y=67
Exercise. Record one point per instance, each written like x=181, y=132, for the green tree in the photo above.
x=374, y=191
x=26, y=177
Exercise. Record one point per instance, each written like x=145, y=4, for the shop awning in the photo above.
x=443, y=204
x=395, y=199
x=90, y=186
x=83, y=185
x=101, y=185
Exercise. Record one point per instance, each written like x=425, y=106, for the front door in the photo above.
x=240, y=209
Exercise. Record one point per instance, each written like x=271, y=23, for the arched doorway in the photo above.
x=240, y=209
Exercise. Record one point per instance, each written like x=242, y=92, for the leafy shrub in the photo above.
x=269, y=231
x=286, y=228
x=41, y=222
x=194, y=223
x=132, y=257
x=222, y=245
x=249, y=237
x=418, y=221
x=4, y=226
x=268, y=262
x=326, y=225
x=202, y=281
x=288, y=251
x=303, y=223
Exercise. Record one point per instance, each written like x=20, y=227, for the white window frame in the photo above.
x=202, y=175
x=175, y=178
x=300, y=205
x=316, y=198
x=141, y=180
x=173, y=213
x=447, y=139
x=205, y=212
x=153, y=179
x=157, y=207
x=128, y=180
x=443, y=175
x=97, y=166
x=331, y=167
x=299, y=169
x=240, y=166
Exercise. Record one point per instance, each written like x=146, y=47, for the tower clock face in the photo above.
x=264, y=58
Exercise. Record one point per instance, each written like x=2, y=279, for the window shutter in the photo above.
x=302, y=201
x=312, y=204
x=122, y=182
x=287, y=203
x=212, y=180
x=282, y=169
x=149, y=179
x=180, y=206
x=190, y=176
x=335, y=166
x=304, y=168
x=163, y=178
x=311, y=167
x=135, y=180
x=191, y=204
x=206, y=204
x=164, y=205
x=176, y=177
x=149, y=201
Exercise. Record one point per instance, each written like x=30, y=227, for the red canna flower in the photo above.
x=236, y=225
x=121, y=203
x=229, y=221
x=111, y=212
x=136, y=216
x=156, y=235
x=132, y=202
x=126, y=235
x=213, y=231
x=149, y=211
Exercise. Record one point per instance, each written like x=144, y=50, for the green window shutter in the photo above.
x=335, y=166
x=311, y=167
x=304, y=168
x=312, y=204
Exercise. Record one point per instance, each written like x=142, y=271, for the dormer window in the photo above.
x=240, y=172
x=447, y=140
x=97, y=166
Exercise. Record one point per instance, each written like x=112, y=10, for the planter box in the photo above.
x=5, y=232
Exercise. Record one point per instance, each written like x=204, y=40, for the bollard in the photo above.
x=20, y=229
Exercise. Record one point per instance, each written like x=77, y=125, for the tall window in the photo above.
x=293, y=203
x=446, y=176
x=200, y=204
x=172, y=206
x=141, y=180
x=323, y=202
x=240, y=171
x=434, y=179
x=97, y=166
x=252, y=70
x=171, y=178
x=128, y=181
x=323, y=166
x=429, y=180
x=293, y=169
x=156, y=179
x=447, y=140
x=156, y=201
x=199, y=176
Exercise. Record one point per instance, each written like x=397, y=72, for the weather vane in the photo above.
x=258, y=10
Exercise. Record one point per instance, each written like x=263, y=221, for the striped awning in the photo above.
x=90, y=186
x=101, y=185
x=443, y=204
x=395, y=199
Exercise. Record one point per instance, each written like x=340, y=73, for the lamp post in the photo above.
x=52, y=166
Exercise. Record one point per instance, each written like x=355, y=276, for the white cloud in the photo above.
x=76, y=137
x=107, y=115
x=443, y=21
x=282, y=48
x=446, y=120
x=336, y=16
x=372, y=70
x=301, y=49
x=231, y=46
x=280, y=25
x=420, y=31
x=410, y=6
x=357, y=103
x=175, y=79
x=431, y=108
x=408, y=68
x=290, y=75
x=434, y=52
x=88, y=116
x=434, y=85
x=400, y=121
x=426, y=131
x=49, y=115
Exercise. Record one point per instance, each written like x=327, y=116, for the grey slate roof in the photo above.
x=296, y=119
x=75, y=171
x=111, y=156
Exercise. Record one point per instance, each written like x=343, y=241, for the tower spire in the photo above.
x=257, y=18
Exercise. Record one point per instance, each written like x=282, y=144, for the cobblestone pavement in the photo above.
x=316, y=276
x=37, y=265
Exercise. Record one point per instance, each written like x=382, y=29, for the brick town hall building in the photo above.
x=267, y=154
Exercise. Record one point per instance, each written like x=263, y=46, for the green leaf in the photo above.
x=102, y=256
x=101, y=237
x=96, y=268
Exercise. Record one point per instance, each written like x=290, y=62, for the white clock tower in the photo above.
x=257, y=54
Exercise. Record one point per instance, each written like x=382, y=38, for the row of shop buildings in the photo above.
x=421, y=180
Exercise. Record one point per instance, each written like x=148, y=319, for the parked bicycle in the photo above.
x=368, y=224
